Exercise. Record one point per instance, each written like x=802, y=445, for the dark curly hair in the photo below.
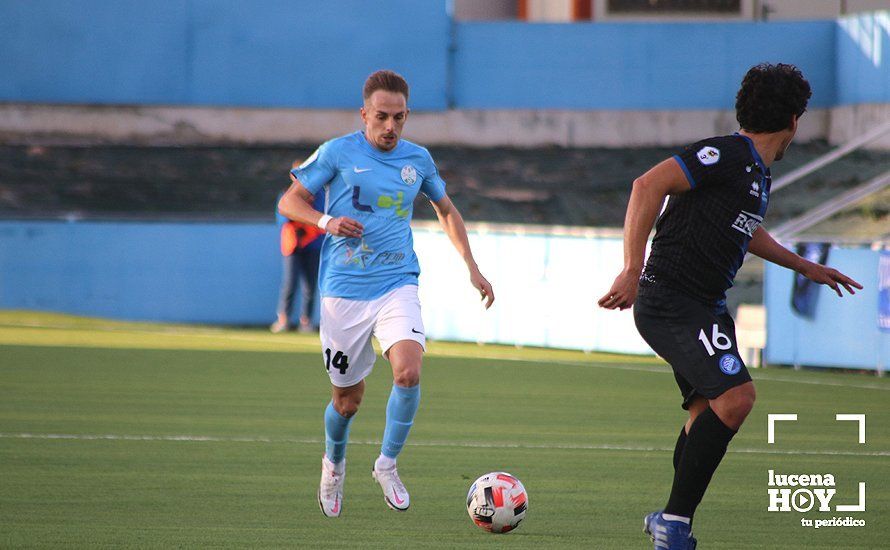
x=769, y=96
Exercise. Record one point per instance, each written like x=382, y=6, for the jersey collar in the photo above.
x=760, y=164
x=377, y=152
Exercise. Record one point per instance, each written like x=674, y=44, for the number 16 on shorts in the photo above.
x=718, y=340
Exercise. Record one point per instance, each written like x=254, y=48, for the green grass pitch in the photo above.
x=138, y=435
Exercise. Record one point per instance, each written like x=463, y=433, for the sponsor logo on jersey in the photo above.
x=708, y=155
x=747, y=223
x=359, y=255
x=409, y=174
x=389, y=258
x=396, y=203
x=730, y=364
x=755, y=189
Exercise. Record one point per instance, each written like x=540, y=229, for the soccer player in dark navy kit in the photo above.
x=718, y=193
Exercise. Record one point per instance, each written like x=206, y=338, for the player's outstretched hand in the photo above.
x=825, y=275
x=344, y=227
x=483, y=286
x=623, y=292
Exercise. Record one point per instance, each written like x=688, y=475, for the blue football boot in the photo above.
x=668, y=535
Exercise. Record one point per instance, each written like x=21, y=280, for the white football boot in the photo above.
x=330, y=490
x=394, y=492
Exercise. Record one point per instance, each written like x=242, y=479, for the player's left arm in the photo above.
x=763, y=245
x=453, y=224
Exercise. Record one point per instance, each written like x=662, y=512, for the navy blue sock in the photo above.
x=679, y=446
x=705, y=446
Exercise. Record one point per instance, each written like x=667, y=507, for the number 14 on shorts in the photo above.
x=340, y=361
x=718, y=340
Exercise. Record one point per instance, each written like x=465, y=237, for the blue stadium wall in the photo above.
x=309, y=54
x=225, y=273
x=219, y=52
x=863, y=59
x=843, y=332
x=228, y=273
x=644, y=66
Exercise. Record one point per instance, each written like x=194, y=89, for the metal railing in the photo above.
x=826, y=210
x=831, y=156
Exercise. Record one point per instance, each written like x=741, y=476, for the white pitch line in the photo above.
x=457, y=444
x=666, y=369
x=821, y=383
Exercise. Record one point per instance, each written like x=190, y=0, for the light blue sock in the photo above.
x=400, y=412
x=336, y=434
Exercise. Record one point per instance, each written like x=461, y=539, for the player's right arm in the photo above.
x=646, y=198
x=296, y=204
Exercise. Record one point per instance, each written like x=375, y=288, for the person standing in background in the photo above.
x=300, y=250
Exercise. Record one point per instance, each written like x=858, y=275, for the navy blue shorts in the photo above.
x=696, y=339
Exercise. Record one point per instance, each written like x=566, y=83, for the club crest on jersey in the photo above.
x=747, y=223
x=409, y=174
x=708, y=155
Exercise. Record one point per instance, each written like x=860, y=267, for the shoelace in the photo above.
x=330, y=485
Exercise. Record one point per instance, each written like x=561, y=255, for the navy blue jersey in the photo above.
x=702, y=236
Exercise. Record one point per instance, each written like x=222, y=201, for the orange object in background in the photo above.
x=297, y=236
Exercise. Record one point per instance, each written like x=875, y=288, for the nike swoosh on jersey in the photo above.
x=358, y=170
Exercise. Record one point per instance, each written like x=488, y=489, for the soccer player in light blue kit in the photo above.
x=368, y=274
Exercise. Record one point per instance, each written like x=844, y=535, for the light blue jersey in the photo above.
x=377, y=189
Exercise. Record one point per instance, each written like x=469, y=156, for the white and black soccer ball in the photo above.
x=497, y=502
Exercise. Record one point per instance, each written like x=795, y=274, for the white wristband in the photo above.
x=323, y=221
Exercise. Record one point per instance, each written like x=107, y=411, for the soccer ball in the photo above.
x=497, y=502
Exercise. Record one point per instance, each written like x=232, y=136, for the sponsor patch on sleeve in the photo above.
x=708, y=155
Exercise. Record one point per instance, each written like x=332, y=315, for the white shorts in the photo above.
x=347, y=326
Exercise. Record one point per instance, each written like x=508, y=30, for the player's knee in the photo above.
x=745, y=399
x=742, y=404
x=734, y=406
x=407, y=378
x=347, y=406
